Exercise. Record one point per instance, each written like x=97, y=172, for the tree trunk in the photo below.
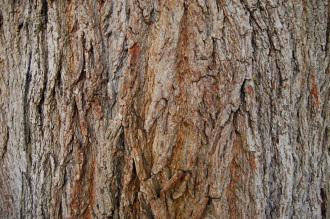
x=164, y=109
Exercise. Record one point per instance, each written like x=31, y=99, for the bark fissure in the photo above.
x=26, y=122
x=4, y=145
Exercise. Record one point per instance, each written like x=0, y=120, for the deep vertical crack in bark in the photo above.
x=26, y=122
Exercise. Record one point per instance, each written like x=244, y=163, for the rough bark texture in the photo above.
x=164, y=109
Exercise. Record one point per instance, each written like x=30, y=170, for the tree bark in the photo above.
x=164, y=109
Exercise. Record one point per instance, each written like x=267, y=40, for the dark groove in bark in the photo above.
x=1, y=21
x=28, y=78
x=119, y=171
x=327, y=35
x=44, y=51
x=324, y=199
x=5, y=145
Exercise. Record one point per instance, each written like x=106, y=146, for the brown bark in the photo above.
x=164, y=109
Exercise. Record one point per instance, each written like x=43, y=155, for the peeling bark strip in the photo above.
x=164, y=109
